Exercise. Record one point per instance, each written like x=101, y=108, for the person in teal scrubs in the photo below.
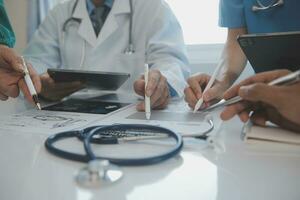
x=242, y=17
x=11, y=68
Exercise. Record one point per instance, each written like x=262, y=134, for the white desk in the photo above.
x=236, y=172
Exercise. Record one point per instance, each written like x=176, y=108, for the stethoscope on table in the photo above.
x=260, y=6
x=129, y=50
x=103, y=170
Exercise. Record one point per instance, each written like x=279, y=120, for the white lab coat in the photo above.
x=157, y=37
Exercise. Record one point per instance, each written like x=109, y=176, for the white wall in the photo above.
x=17, y=11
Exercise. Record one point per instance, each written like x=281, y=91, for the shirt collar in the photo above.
x=90, y=5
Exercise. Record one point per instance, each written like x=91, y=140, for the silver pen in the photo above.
x=30, y=85
x=284, y=80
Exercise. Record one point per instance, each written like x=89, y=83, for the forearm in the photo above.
x=233, y=60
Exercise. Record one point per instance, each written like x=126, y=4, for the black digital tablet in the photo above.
x=92, y=79
x=272, y=51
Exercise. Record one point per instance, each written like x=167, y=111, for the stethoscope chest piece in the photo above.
x=98, y=173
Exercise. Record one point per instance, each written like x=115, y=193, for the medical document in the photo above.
x=177, y=117
x=46, y=122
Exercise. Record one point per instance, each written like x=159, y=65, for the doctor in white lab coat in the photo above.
x=156, y=39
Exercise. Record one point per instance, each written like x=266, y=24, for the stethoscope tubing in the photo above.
x=87, y=136
x=135, y=161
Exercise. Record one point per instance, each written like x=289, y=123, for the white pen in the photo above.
x=147, y=99
x=30, y=85
x=208, y=86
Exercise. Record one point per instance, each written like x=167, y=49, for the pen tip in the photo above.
x=38, y=105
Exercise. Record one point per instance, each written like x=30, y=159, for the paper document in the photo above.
x=46, y=122
x=176, y=117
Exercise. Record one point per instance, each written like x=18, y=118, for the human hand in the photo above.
x=278, y=104
x=157, y=89
x=56, y=91
x=11, y=75
x=197, y=84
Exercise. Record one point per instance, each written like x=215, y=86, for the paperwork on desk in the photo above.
x=46, y=122
x=177, y=117
x=271, y=134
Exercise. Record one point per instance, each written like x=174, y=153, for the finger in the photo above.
x=160, y=92
x=259, y=118
x=244, y=116
x=153, y=81
x=164, y=104
x=230, y=111
x=212, y=93
x=11, y=59
x=190, y=97
x=3, y=97
x=9, y=86
x=139, y=87
x=231, y=92
x=198, y=82
x=162, y=99
x=265, y=77
x=271, y=95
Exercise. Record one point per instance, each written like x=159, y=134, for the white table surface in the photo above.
x=232, y=171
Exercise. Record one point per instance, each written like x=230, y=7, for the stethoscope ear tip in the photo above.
x=98, y=173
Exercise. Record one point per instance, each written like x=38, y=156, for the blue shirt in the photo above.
x=239, y=14
x=90, y=5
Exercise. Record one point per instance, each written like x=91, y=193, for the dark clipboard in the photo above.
x=92, y=79
x=272, y=51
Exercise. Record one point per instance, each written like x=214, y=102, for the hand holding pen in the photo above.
x=156, y=87
x=11, y=75
x=271, y=96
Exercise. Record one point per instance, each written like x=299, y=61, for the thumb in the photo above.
x=262, y=92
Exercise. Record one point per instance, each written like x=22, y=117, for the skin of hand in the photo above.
x=197, y=84
x=232, y=63
x=11, y=75
x=157, y=89
x=277, y=104
x=56, y=91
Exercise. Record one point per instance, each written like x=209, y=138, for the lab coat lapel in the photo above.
x=120, y=7
x=85, y=30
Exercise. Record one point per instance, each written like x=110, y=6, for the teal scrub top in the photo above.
x=7, y=36
x=239, y=14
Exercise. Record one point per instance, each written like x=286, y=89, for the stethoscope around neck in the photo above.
x=129, y=50
x=260, y=6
